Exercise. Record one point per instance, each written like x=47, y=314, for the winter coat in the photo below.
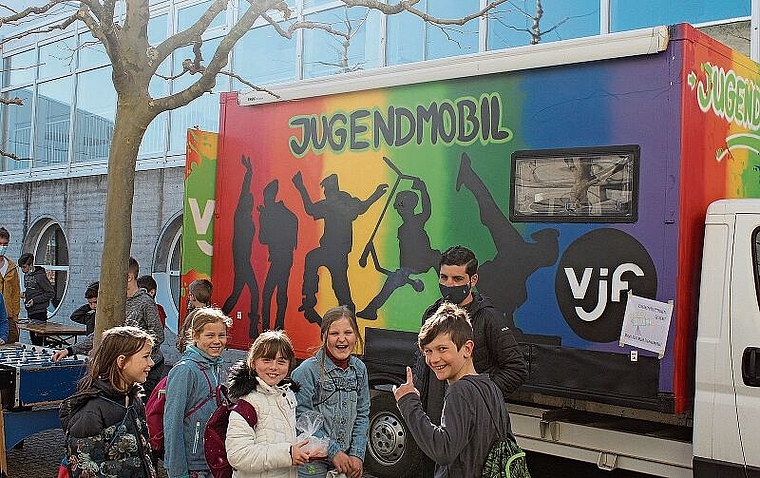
x=38, y=290
x=496, y=351
x=262, y=451
x=84, y=315
x=10, y=287
x=341, y=396
x=186, y=388
x=105, y=437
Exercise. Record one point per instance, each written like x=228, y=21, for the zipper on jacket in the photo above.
x=197, y=437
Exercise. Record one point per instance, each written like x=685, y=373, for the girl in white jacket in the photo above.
x=268, y=449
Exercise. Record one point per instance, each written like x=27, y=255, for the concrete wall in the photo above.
x=736, y=35
x=78, y=205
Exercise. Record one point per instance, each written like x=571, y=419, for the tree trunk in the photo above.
x=128, y=132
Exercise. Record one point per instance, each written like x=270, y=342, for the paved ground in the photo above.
x=40, y=456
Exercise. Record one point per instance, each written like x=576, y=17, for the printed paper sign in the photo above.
x=646, y=324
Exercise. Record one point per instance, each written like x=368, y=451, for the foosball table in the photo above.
x=31, y=388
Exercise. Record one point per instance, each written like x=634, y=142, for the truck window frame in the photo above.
x=543, y=209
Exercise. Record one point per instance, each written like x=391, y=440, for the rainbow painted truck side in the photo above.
x=580, y=173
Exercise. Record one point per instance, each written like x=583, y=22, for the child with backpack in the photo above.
x=193, y=393
x=335, y=383
x=268, y=449
x=474, y=416
x=104, y=421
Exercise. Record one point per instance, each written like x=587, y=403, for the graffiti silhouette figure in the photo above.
x=278, y=229
x=503, y=278
x=338, y=210
x=415, y=254
x=243, y=234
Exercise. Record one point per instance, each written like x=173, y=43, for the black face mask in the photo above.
x=455, y=294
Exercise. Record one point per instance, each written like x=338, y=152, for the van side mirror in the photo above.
x=751, y=367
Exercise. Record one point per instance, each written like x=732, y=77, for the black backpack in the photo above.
x=505, y=458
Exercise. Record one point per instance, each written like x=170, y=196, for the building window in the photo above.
x=203, y=112
x=326, y=54
x=18, y=135
x=264, y=57
x=627, y=15
x=95, y=115
x=561, y=20
x=166, y=271
x=53, y=122
x=51, y=252
x=575, y=185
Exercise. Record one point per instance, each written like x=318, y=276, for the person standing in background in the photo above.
x=38, y=292
x=85, y=314
x=10, y=286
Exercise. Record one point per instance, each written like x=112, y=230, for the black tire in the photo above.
x=391, y=450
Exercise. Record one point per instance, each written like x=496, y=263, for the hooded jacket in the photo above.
x=38, y=290
x=106, y=434
x=186, y=388
x=264, y=450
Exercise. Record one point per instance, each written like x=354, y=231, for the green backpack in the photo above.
x=505, y=458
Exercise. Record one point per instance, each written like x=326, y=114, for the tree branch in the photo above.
x=11, y=101
x=191, y=34
x=249, y=84
x=408, y=5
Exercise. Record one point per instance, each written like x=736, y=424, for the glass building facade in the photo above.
x=69, y=104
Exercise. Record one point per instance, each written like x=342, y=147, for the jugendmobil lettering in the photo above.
x=594, y=276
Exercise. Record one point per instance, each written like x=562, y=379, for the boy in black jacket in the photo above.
x=85, y=315
x=458, y=446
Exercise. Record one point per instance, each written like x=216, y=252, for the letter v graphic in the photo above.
x=202, y=222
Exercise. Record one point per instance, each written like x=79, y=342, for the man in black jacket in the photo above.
x=496, y=351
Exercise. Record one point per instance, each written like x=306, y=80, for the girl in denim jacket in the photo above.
x=334, y=383
x=193, y=385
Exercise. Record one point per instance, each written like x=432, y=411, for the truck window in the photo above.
x=597, y=184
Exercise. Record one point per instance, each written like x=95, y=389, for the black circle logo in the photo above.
x=594, y=276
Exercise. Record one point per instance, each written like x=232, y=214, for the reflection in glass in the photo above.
x=20, y=68
x=325, y=53
x=53, y=254
x=186, y=17
x=18, y=137
x=95, y=115
x=406, y=37
x=91, y=52
x=561, y=20
x=452, y=40
x=57, y=58
x=202, y=112
x=52, y=120
x=574, y=185
x=264, y=57
x=627, y=15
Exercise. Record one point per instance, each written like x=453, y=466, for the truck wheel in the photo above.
x=391, y=448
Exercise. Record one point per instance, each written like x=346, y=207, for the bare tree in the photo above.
x=533, y=17
x=135, y=61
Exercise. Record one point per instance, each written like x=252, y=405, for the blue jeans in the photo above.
x=314, y=469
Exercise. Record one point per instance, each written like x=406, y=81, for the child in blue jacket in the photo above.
x=192, y=393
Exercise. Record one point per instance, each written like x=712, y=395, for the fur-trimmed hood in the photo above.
x=241, y=381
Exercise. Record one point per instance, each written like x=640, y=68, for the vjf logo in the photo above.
x=593, y=279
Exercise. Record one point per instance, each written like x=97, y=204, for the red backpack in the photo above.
x=216, y=432
x=154, y=410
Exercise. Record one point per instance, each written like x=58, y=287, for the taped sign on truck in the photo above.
x=646, y=324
